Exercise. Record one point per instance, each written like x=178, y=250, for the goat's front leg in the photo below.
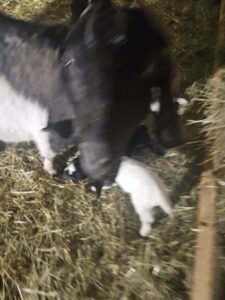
x=42, y=140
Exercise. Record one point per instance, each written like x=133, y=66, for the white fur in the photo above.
x=146, y=190
x=70, y=169
x=22, y=120
x=181, y=101
x=155, y=105
x=104, y=188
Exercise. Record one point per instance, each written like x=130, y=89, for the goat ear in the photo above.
x=78, y=7
x=63, y=128
x=106, y=24
x=120, y=28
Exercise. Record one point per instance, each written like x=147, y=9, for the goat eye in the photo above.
x=70, y=62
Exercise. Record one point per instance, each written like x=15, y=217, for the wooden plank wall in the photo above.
x=207, y=277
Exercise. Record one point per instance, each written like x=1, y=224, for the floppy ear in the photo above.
x=106, y=25
x=120, y=29
x=63, y=128
x=78, y=7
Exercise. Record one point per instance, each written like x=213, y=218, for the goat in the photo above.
x=86, y=85
x=146, y=191
x=32, y=97
x=123, y=55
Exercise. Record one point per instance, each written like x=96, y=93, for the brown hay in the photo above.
x=45, y=11
x=58, y=242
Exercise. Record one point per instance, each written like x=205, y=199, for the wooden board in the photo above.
x=207, y=277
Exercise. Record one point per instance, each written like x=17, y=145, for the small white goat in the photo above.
x=146, y=190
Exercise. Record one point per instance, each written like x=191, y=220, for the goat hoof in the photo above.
x=145, y=229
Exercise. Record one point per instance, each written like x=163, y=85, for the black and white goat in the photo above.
x=32, y=97
x=130, y=56
x=88, y=85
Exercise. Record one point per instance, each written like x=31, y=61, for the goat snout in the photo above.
x=98, y=162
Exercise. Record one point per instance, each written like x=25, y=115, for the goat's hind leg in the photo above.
x=146, y=217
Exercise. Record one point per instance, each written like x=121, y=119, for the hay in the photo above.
x=58, y=242
x=44, y=11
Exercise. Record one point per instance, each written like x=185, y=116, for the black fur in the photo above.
x=63, y=128
x=111, y=48
x=77, y=7
x=3, y=146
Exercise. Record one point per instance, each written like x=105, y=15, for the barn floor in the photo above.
x=58, y=242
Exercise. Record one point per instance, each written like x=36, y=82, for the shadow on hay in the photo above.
x=194, y=152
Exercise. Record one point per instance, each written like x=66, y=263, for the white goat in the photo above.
x=146, y=190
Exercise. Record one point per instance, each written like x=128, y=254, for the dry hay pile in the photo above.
x=58, y=242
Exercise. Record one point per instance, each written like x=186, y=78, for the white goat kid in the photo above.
x=146, y=190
